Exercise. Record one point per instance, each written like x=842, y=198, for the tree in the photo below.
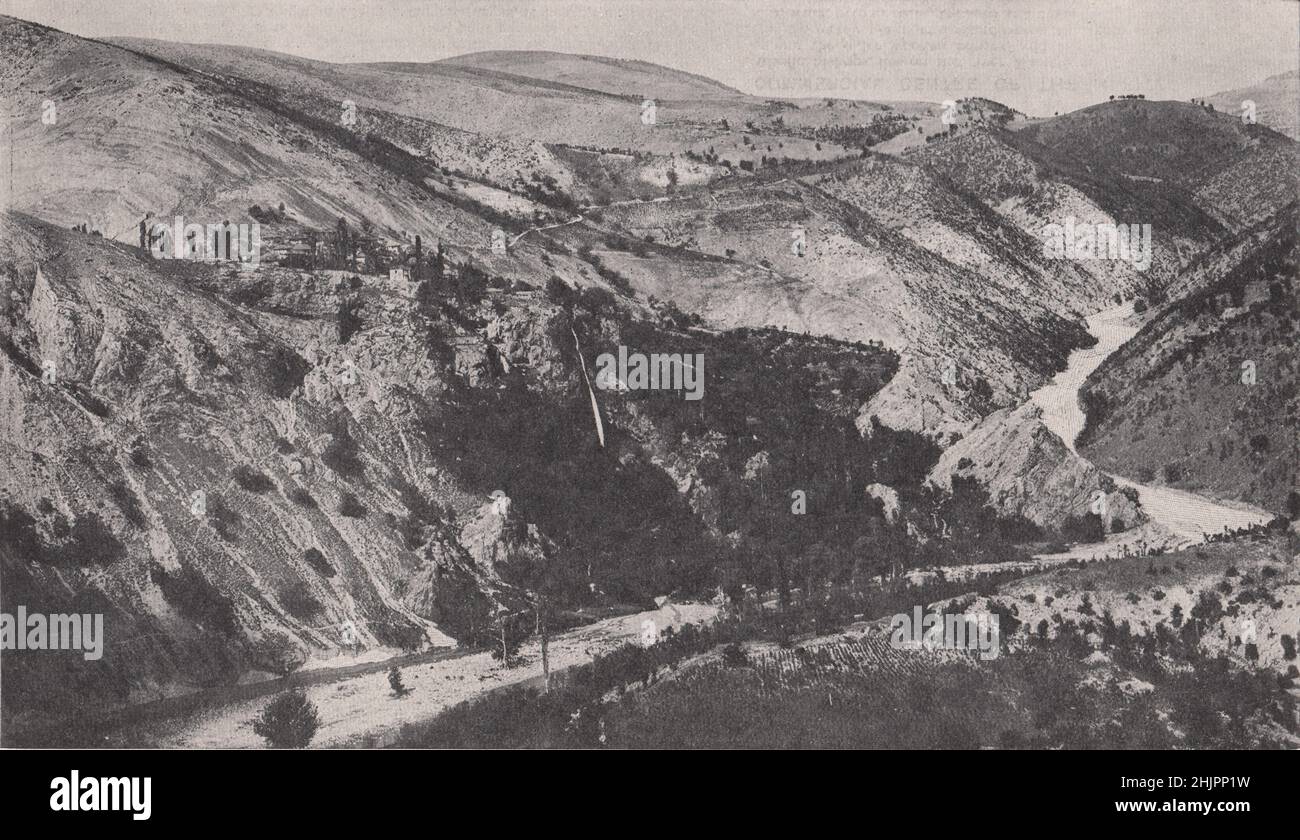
x=439, y=263
x=395, y=680
x=289, y=721
x=508, y=634
x=342, y=243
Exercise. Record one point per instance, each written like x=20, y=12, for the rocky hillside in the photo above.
x=256, y=471
x=955, y=296
x=1031, y=474
x=1277, y=102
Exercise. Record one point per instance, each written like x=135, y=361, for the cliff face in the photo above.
x=234, y=486
x=1029, y=472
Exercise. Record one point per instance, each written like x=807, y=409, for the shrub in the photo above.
x=125, y=499
x=298, y=601
x=289, y=721
x=222, y=519
x=395, y=681
x=734, y=655
x=351, y=507
x=285, y=371
x=196, y=599
x=301, y=497
x=252, y=480
x=90, y=543
x=1088, y=528
x=340, y=454
x=314, y=558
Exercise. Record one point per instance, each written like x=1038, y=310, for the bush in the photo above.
x=558, y=291
x=125, y=499
x=90, y=543
x=351, y=507
x=395, y=681
x=1088, y=528
x=252, y=480
x=289, y=721
x=314, y=558
x=301, y=497
x=285, y=371
x=734, y=655
x=298, y=601
x=340, y=453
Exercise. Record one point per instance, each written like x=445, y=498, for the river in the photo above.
x=1179, y=518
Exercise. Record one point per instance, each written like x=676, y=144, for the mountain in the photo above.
x=622, y=77
x=515, y=122
x=1277, y=102
x=427, y=110
x=890, y=256
x=133, y=136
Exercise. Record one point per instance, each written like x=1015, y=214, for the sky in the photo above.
x=1040, y=56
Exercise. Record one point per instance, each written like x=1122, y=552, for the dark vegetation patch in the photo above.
x=341, y=454
x=350, y=506
x=302, y=498
x=127, y=502
x=285, y=371
x=196, y=599
x=252, y=480
x=317, y=561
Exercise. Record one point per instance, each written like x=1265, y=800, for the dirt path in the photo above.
x=360, y=709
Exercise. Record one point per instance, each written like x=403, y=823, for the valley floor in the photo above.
x=360, y=710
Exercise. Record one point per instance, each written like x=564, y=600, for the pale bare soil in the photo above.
x=362, y=711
